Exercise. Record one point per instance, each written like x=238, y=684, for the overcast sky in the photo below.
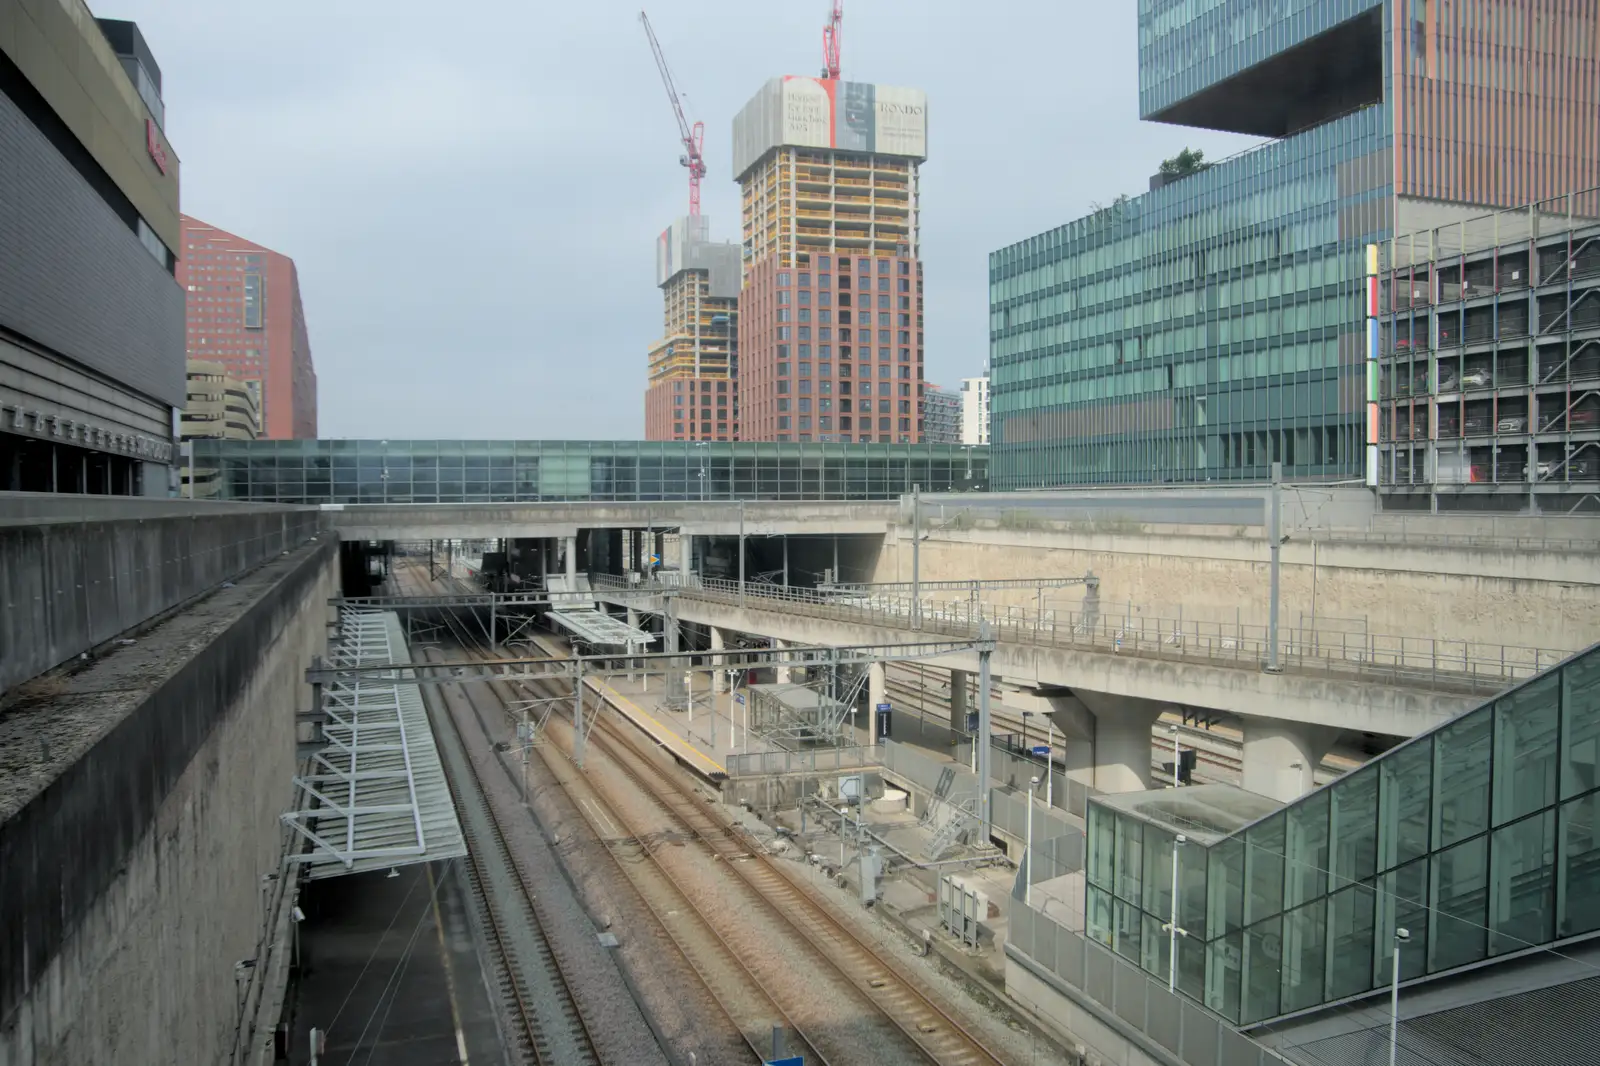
x=472, y=193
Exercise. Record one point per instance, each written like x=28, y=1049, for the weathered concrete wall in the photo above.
x=67, y=586
x=1488, y=595
x=132, y=852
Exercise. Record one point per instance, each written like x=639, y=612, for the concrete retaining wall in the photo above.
x=68, y=586
x=132, y=881
x=1488, y=595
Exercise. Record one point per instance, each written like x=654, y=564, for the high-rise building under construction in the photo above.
x=693, y=390
x=830, y=329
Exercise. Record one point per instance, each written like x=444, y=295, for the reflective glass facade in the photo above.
x=455, y=471
x=1188, y=46
x=1199, y=332
x=1480, y=838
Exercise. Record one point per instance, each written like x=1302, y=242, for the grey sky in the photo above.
x=472, y=194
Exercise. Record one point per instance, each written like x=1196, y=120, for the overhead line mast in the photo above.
x=691, y=136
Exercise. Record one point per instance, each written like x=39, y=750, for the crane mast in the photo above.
x=832, y=38
x=691, y=135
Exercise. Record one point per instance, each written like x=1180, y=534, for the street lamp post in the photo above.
x=1401, y=936
x=1171, y=928
x=1027, y=848
x=1049, y=762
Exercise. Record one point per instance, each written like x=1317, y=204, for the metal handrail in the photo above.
x=1446, y=665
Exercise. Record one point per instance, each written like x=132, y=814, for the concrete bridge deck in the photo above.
x=1390, y=685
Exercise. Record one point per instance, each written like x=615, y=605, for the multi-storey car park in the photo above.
x=1487, y=391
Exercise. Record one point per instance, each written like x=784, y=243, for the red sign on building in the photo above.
x=152, y=141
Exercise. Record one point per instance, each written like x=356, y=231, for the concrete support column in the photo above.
x=685, y=551
x=633, y=618
x=1122, y=753
x=781, y=671
x=1280, y=758
x=875, y=689
x=717, y=676
x=960, y=681
x=569, y=548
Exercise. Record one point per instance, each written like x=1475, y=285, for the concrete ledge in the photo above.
x=85, y=770
x=67, y=586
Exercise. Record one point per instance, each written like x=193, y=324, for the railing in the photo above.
x=757, y=763
x=1446, y=665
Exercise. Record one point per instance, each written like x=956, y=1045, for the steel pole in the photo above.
x=1049, y=762
x=1400, y=937
x=1275, y=537
x=916, y=558
x=1172, y=935
x=1027, y=850
x=577, y=715
x=981, y=741
x=741, y=555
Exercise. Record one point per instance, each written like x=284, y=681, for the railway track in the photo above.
x=928, y=1027
x=544, y=1008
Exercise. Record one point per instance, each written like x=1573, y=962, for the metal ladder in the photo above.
x=956, y=816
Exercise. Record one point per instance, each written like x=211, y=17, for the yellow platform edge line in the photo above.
x=630, y=708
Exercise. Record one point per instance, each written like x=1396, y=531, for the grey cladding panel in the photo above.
x=74, y=278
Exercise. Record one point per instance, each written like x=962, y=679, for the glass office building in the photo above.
x=1214, y=325
x=1480, y=838
x=473, y=471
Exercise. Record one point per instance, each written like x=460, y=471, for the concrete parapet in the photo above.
x=138, y=816
x=68, y=586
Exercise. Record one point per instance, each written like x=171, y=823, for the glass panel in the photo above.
x=1098, y=918
x=1405, y=797
x=1578, y=876
x=1306, y=871
x=1223, y=958
x=1522, y=884
x=1350, y=914
x=1191, y=967
x=1225, y=888
x=1580, y=725
x=1262, y=969
x=1102, y=840
x=1525, y=749
x=1127, y=932
x=1130, y=852
x=1264, y=869
x=1354, y=832
x=1192, y=890
x=1402, y=904
x=1459, y=892
x=1303, y=958
x=1461, y=766
x=1158, y=846
x=1156, y=943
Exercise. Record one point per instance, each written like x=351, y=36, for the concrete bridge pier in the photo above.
x=875, y=696
x=1074, y=726
x=1121, y=740
x=780, y=673
x=718, y=678
x=960, y=681
x=1281, y=757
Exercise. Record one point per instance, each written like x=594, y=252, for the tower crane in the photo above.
x=691, y=136
x=832, y=37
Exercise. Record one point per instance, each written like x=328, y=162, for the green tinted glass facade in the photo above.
x=1199, y=332
x=1480, y=838
x=1214, y=325
x=453, y=471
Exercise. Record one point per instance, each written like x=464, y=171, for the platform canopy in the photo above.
x=597, y=627
x=375, y=796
